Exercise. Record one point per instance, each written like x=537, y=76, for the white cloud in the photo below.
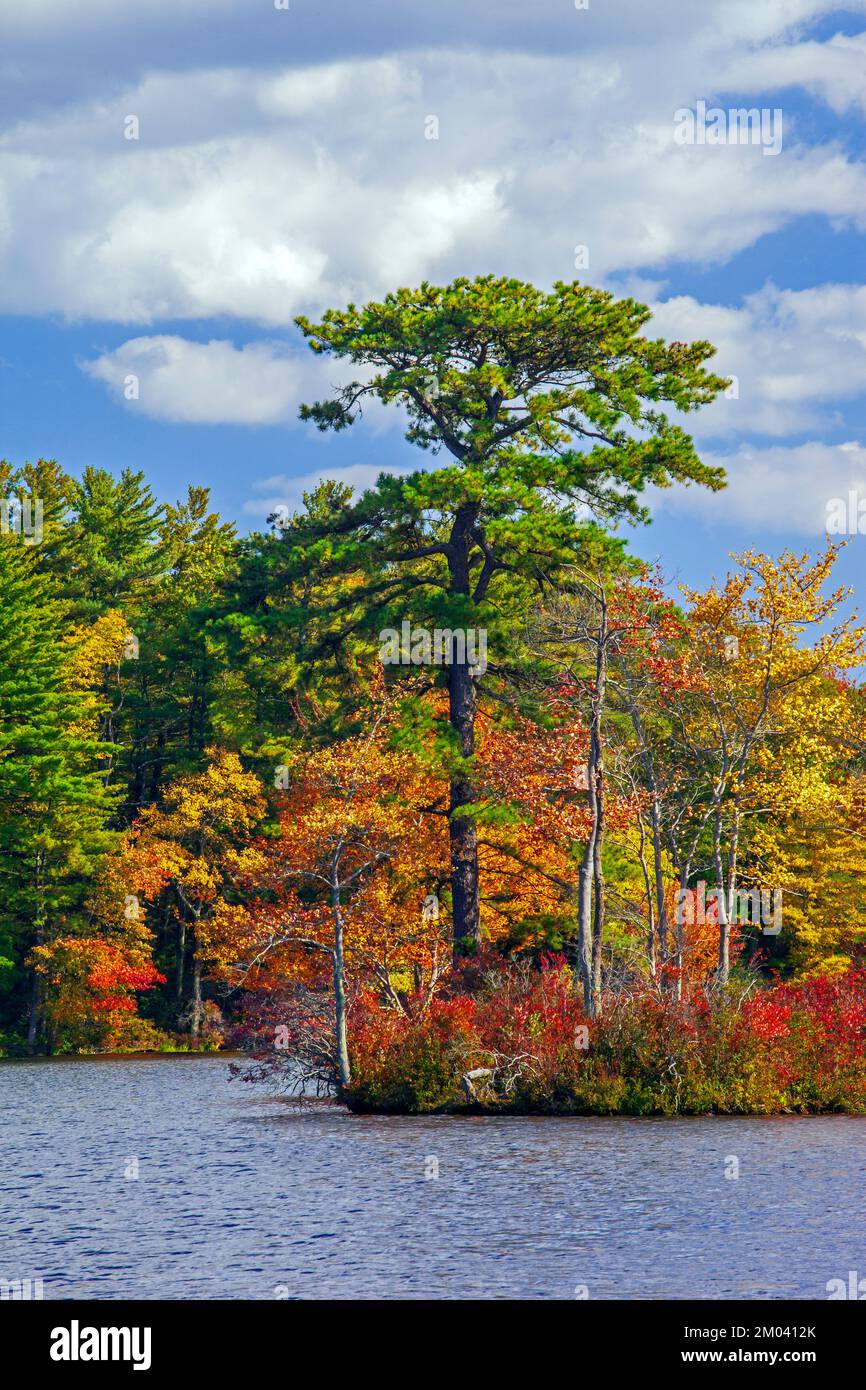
x=795, y=354
x=170, y=378
x=833, y=70
x=208, y=383
x=262, y=192
x=546, y=23
x=775, y=489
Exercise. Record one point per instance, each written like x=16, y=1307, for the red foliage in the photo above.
x=790, y=1047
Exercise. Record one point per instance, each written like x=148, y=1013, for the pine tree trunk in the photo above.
x=590, y=939
x=38, y=940
x=661, y=916
x=343, y=1068
x=462, y=829
x=658, y=873
x=463, y=704
x=651, y=956
x=597, y=742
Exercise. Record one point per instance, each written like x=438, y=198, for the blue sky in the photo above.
x=282, y=166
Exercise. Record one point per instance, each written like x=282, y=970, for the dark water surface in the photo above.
x=239, y=1196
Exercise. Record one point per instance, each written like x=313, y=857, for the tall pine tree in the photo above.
x=54, y=804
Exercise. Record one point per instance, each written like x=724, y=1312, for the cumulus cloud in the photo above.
x=832, y=70
x=794, y=355
x=777, y=489
x=175, y=379
x=215, y=383
x=261, y=191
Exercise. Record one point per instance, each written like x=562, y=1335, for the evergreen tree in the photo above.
x=172, y=684
x=550, y=405
x=53, y=801
x=113, y=541
x=51, y=494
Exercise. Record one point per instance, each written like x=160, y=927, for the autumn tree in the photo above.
x=347, y=878
x=650, y=675
x=808, y=840
x=596, y=632
x=183, y=857
x=91, y=979
x=760, y=677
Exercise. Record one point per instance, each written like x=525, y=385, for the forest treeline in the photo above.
x=334, y=787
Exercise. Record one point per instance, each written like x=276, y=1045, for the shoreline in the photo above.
x=118, y=1056
x=493, y=1112
x=467, y=1112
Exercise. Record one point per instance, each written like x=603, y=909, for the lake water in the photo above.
x=240, y=1196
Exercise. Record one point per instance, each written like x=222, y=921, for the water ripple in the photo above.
x=155, y=1178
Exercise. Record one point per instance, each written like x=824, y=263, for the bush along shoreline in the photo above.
x=520, y=1044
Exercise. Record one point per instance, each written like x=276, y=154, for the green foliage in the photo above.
x=53, y=800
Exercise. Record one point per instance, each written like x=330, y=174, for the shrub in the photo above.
x=407, y=1065
x=789, y=1047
